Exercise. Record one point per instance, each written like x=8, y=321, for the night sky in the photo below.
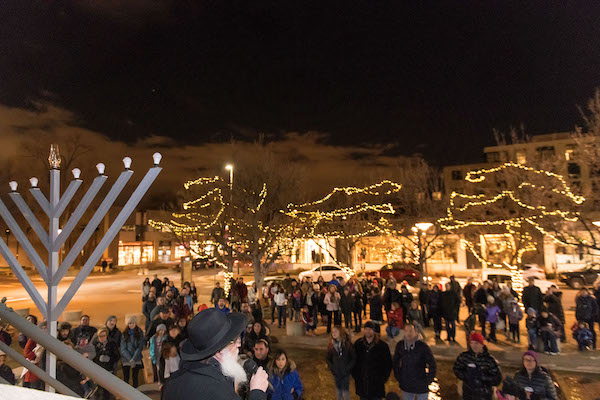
x=430, y=77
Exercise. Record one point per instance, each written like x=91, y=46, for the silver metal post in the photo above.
x=52, y=269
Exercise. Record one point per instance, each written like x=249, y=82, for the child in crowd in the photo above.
x=532, y=328
x=395, y=321
x=492, y=312
x=309, y=322
x=297, y=304
x=415, y=316
x=156, y=343
x=515, y=314
x=168, y=363
x=583, y=335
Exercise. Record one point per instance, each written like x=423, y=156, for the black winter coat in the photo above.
x=70, y=377
x=479, y=373
x=346, y=304
x=375, y=308
x=586, y=308
x=341, y=363
x=434, y=303
x=372, y=368
x=480, y=296
x=450, y=305
x=540, y=382
x=555, y=307
x=107, y=354
x=203, y=380
x=414, y=369
x=532, y=297
x=468, y=292
x=390, y=296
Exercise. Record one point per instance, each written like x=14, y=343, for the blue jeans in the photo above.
x=549, y=342
x=392, y=331
x=532, y=334
x=281, y=311
x=414, y=396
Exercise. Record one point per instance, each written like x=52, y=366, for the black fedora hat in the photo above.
x=210, y=331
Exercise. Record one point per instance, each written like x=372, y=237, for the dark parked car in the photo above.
x=582, y=277
x=400, y=271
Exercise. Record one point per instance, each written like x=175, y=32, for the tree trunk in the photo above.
x=259, y=274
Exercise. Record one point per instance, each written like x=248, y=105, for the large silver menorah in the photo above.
x=54, y=239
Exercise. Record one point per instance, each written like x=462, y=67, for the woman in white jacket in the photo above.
x=332, y=302
x=280, y=301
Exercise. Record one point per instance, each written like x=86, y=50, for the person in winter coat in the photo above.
x=64, y=332
x=492, y=312
x=156, y=342
x=280, y=301
x=357, y=308
x=132, y=345
x=340, y=360
x=284, y=378
x=36, y=354
x=553, y=302
x=586, y=309
x=5, y=371
x=414, y=365
x=423, y=296
x=478, y=370
x=532, y=296
x=258, y=332
x=434, y=306
x=450, y=308
x=550, y=328
x=107, y=356
x=373, y=364
x=83, y=334
x=395, y=321
x=174, y=336
x=332, y=302
x=346, y=307
x=22, y=338
x=532, y=326
x=515, y=315
x=583, y=336
x=147, y=308
x=391, y=295
x=157, y=284
x=479, y=302
x=168, y=362
x=415, y=317
x=534, y=380
x=406, y=301
x=375, y=308
x=468, y=292
x=217, y=293
x=68, y=375
x=146, y=289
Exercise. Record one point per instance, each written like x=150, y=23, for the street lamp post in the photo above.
x=229, y=167
x=54, y=239
x=422, y=228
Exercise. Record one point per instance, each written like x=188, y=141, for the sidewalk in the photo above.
x=507, y=353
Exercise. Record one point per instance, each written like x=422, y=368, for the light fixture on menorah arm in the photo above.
x=53, y=240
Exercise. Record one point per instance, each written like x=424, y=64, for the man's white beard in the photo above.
x=232, y=369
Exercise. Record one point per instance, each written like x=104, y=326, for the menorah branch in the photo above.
x=31, y=218
x=66, y=198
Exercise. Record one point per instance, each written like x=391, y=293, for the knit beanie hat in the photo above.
x=161, y=327
x=476, y=337
x=532, y=354
x=371, y=325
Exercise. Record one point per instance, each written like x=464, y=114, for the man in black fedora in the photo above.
x=209, y=366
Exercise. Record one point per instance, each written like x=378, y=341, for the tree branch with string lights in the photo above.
x=222, y=221
x=502, y=215
x=346, y=214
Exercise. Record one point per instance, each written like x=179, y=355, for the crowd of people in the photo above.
x=340, y=307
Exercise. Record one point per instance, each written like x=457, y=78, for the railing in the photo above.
x=87, y=367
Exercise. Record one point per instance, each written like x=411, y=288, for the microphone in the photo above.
x=250, y=366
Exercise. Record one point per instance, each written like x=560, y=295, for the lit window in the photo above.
x=521, y=156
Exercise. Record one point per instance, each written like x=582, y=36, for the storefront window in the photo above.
x=445, y=251
x=135, y=253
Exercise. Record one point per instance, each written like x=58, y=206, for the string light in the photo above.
x=468, y=211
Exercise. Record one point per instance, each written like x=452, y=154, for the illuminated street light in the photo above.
x=420, y=230
x=423, y=226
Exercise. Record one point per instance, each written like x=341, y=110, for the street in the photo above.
x=103, y=295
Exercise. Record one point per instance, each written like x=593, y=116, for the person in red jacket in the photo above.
x=395, y=320
x=36, y=354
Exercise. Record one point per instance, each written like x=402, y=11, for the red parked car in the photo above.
x=400, y=271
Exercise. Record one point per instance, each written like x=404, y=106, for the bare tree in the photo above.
x=243, y=220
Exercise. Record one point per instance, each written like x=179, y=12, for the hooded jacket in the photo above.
x=341, y=361
x=479, y=373
x=283, y=385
